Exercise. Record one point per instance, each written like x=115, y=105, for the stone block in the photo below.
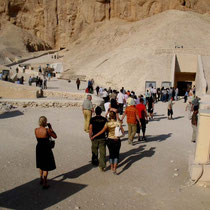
x=11, y=90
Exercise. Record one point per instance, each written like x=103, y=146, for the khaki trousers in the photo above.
x=131, y=131
x=87, y=116
x=99, y=144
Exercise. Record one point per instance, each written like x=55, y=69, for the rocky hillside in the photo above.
x=16, y=43
x=119, y=53
x=58, y=22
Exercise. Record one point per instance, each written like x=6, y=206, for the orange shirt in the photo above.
x=131, y=113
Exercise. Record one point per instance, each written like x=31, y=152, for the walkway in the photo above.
x=152, y=175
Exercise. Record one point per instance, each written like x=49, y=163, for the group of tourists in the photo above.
x=162, y=94
x=106, y=131
x=139, y=110
x=40, y=81
x=20, y=80
x=89, y=88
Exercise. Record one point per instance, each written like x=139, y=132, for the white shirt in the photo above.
x=120, y=98
x=104, y=94
x=100, y=90
x=106, y=106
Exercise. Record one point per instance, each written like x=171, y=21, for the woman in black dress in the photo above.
x=44, y=155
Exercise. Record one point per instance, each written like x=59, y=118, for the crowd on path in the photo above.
x=106, y=131
x=138, y=110
x=40, y=80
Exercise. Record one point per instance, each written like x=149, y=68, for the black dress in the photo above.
x=44, y=155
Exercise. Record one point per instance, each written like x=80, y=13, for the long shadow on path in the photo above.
x=11, y=114
x=75, y=173
x=179, y=117
x=151, y=138
x=32, y=196
x=135, y=155
x=158, y=118
x=158, y=138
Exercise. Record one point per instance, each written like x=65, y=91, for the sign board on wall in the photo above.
x=150, y=84
x=166, y=84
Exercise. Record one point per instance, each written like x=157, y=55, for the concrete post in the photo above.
x=203, y=138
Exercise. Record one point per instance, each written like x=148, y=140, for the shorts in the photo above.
x=143, y=126
x=150, y=110
x=170, y=112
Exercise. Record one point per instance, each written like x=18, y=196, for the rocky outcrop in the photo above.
x=58, y=22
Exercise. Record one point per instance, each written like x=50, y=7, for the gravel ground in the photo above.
x=151, y=175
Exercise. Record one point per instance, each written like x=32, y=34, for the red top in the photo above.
x=141, y=108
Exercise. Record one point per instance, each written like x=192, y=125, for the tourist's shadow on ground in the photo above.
x=158, y=115
x=11, y=114
x=127, y=154
x=176, y=118
x=158, y=118
x=133, y=156
x=158, y=138
x=150, y=138
x=52, y=88
x=32, y=196
x=74, y=173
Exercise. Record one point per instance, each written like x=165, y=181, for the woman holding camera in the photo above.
x=44, y=155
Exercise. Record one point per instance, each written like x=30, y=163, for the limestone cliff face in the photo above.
x=58, y=22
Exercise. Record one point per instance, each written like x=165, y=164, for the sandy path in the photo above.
x=63, y=85
x=146, y=175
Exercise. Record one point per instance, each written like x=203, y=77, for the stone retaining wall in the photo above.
x=66, y=95
x=49, y=103
x=44, y=104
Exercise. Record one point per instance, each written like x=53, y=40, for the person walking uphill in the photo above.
x=143, y=119
x=87, y=109
x=170, y=109
x=78, y=83
x=44, y=155
x=132, y=118
x=113, y=142
x=96, y=125
x=120, y=101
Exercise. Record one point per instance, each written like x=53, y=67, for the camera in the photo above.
x=49, y=125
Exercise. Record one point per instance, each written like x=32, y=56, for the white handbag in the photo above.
x=118, y=132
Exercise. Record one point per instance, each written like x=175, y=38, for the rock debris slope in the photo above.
x=119, y=53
